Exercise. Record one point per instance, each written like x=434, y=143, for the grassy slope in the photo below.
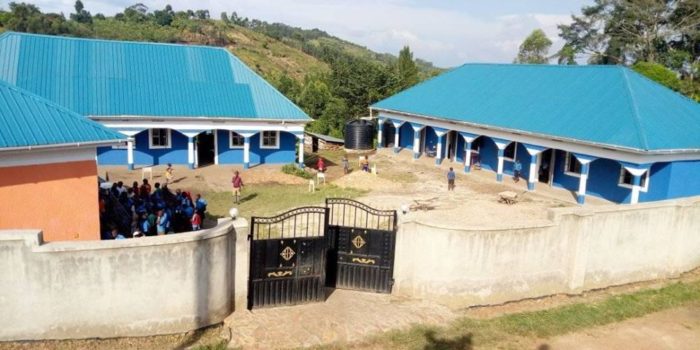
x=271, y=57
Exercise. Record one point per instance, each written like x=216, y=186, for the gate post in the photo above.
x=242, y=267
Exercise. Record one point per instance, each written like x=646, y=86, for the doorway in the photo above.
x=451, y=151
x=545, y=168
x=205, y=149
x=389, y=135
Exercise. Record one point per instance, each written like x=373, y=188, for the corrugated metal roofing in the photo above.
x=610, y=105
x=112, y=78
x=30, y=120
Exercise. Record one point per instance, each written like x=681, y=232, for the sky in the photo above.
x=447, y=33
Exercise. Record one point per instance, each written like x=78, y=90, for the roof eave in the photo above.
x=198, y=118
x=552, y=137
x=57, y=146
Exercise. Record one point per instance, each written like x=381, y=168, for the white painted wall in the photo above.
x=135, y=287
x=582, y=249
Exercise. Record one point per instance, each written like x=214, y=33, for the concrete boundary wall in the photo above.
x=135, y=287
x=582, y=248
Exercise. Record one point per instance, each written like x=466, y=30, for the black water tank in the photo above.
x=359, y=135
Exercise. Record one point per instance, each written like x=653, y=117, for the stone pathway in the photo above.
x=347, y=316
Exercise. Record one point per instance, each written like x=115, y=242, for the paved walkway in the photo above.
x=346, y=316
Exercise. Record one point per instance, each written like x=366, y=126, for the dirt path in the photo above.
x=676, y=329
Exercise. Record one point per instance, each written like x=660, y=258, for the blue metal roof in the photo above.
x=29, y=120
x=117, y=78
x=608, y=105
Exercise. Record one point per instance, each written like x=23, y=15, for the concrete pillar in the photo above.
x=190, y=151
x=380, y=139
x=301, y=152
x=583, y=179
x=130, y=153
x=416, y=143
x=468, y=157
x=438, y=154
x=396, y=140
x=246, y=152
x=636, y=188
x=499, y=171
x=532, y=178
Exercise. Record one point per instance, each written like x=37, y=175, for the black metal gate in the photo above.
x=361, y=246
x=288, y=256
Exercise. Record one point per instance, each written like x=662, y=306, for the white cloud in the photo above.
x=445, y=36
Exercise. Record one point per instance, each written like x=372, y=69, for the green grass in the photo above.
x=518, y=330
x=271, y=199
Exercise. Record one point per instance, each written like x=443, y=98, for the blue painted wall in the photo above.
x=683, y=179
x=524, y=157
x=603, y=181
x=406, y=136
x=284, y=155
x=460, y=151
x=560, y=179
x=176, y=154
x=228, y=155
x=488, y=154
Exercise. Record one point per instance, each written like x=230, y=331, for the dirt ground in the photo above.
x=402, y=181
x=675, y=329
x=399, y=181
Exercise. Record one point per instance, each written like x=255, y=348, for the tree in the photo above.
x=314, y=96
x=535, y=48
x=81, y=15
x=407, y=69
x=659, y=74
x=224, y=17
x=164, y=17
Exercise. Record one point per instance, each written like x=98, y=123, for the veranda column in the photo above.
x=637, y=172
x=438, y=154
x=468, y=156
x=190, y=151
x=583, y=180
x=532, y=174
x=468, y=140
x=499, y=170
x=396, y=141
x=534, y=152
x=130, y=152
x=301, y=150
x=417, y=128
x=501, y=144
x=380, y=138
x=246, y=152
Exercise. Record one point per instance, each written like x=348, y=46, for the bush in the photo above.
x=293, y=169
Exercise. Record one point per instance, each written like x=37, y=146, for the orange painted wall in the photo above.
x=60, y=199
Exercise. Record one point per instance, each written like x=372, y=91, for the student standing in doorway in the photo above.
x=451, y=180
x=517, y=168
x=237, y=183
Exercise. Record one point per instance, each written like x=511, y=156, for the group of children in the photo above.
x=139, y=211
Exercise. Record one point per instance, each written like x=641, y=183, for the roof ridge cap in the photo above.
x=635, y=112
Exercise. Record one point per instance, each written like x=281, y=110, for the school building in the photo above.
x=180, y=104
x=48, y=175
x=604, y=131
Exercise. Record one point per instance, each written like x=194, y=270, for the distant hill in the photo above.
x=332, y=79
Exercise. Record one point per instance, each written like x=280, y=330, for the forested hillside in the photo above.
x=331, y=79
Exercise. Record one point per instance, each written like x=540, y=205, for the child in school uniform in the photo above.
x=196, y=221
